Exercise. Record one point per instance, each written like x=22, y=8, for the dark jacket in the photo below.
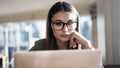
x=39, y=45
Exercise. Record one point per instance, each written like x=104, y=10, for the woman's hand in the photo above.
x=77, y=38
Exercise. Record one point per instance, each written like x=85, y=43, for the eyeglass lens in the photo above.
x=58, y=25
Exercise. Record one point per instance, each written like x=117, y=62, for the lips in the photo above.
x=64, y=36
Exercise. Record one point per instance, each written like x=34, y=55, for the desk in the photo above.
x=112, y=66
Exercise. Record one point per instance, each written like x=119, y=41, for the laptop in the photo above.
x=58, y=59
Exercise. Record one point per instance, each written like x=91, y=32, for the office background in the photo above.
x=23, y=21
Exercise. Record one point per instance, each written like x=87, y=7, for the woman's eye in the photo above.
x=58, y=23
x=70, y=23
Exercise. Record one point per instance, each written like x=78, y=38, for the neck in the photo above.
x=61, y=44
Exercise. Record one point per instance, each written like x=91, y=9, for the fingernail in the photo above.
x=74, y=46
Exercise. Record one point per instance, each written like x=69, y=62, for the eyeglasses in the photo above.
x=59, y=25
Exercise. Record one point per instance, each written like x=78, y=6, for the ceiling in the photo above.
x=19, y=10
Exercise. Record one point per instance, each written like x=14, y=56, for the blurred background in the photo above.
x=22, y=22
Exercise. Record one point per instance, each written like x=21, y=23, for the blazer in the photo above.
x=39, y=45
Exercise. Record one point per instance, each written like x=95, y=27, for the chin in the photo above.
x=64, y=40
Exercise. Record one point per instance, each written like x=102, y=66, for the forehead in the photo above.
x=64, y=16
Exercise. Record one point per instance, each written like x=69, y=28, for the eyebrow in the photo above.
x=58, y=20
x=62, y=21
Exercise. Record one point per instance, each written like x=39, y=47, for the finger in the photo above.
x=72, y=43
x=76, y=41
x=74, y=46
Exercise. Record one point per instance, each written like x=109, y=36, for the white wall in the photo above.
x=109, y=15
x=24, y=10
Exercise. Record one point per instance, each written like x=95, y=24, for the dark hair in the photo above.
x=57, y=7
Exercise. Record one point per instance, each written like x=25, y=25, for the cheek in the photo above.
x=56, y=33
x=71, y=31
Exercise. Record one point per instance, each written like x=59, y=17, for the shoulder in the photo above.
x=41, y=41
x=39, y=45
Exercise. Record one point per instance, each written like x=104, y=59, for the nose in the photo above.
x=65, y=28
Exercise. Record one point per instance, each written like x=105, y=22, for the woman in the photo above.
x=62, y=30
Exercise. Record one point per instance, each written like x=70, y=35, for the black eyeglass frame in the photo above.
x=67, y=24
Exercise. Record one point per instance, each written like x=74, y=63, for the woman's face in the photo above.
x=62, y=32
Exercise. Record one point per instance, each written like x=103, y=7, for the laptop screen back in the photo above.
x=58, y=59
